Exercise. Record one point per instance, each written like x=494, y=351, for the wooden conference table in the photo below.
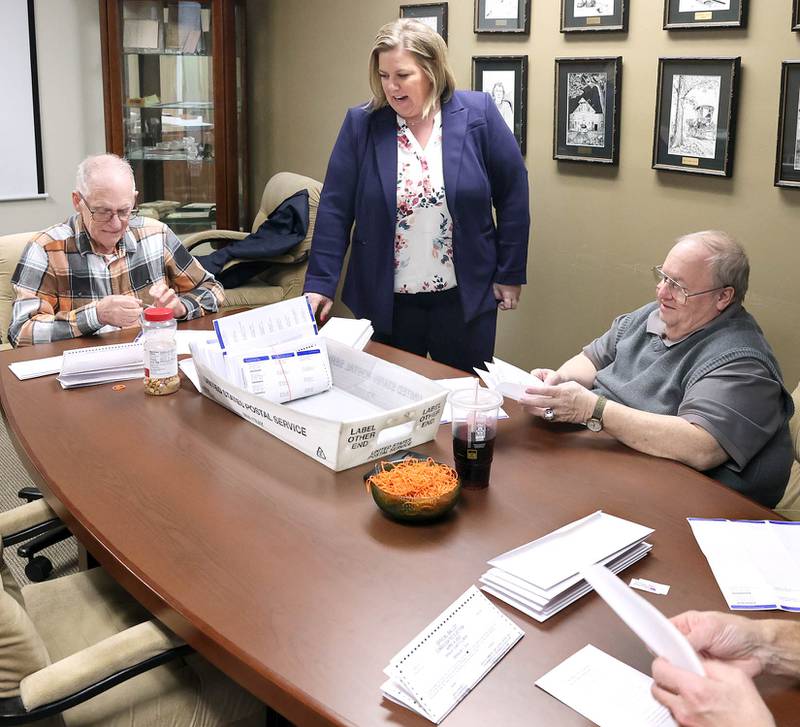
x=287, y=577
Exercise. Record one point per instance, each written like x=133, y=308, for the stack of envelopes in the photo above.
x=542, y=577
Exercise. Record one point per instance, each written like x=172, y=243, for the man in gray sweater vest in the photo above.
x=689, y=377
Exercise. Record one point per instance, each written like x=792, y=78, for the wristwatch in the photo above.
x=595, y=422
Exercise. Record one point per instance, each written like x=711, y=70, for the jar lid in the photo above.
x=158, y=314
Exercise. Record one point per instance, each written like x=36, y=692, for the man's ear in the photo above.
x=76, y=200
x=725, y=298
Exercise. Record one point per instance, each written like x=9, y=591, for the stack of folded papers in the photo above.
x=101, y=364
x=353, y=333
x=542, y=577
x=440, y=666
x=507, y=379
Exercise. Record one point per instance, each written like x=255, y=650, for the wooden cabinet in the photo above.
x=173, y=77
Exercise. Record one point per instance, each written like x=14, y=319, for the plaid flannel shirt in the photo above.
x=60, y=279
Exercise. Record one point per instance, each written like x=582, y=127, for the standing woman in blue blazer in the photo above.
x=418, y=170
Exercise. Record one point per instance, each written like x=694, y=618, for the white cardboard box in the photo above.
x=374, y=409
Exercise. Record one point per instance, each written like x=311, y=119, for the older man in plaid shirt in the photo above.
x=97, y=270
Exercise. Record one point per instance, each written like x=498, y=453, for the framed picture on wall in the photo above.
x=432, y=14
x=587, y=97
x=502, y=16
x=787, y=155
x=505, y=79
x=688, y=14
x=696, y=115
x=796, y=15
x=582, y=15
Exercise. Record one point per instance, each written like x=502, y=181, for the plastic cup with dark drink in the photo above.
x=474, y=430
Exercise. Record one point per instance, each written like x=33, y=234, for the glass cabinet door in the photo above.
x=172, y=125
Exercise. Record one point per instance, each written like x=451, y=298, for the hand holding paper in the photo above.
x=725, y=697
x=645, y=620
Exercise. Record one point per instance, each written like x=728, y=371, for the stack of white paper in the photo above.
x=273, y=352
x=542, y=577
x=38, y=367
x=756, y=562
x=506, y=378
x=351, y=332
x=101, y=364
x=438, y=668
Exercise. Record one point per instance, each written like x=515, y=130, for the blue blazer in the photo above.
x=483, y=168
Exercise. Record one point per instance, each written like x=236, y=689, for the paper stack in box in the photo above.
x=542, y=577
x=507, y=379
x=273, y=352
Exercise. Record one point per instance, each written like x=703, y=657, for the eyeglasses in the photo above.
x=678, y=292
x=103, y=214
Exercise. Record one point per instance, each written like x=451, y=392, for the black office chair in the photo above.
x=39, y=567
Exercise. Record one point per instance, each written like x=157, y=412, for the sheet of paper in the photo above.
x=643, y=584
x=190, y=371
x=561, y=554
x=39, y=367
x=269, y=324
x=464, y=382
x=184, y=338
x=756, y=563
x=509, y=380
x=659, y=635
x=440, y=666
x=605, y=691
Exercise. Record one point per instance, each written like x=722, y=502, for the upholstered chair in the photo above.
x=78, y=651
x=286, y=274
x=789, y=506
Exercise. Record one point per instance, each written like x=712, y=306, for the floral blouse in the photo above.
x=423, y=242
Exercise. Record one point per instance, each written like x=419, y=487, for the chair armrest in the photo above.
x=79, y=672
x=213, y=237
x=16, y=524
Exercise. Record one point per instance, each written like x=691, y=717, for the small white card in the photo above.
x=650, y=586
x=444, y=662
x=605, y=691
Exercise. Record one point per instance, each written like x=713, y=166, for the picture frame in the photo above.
x=505, y=79
x=796, y=15
x=586, y=119
x=578, y=16
x=432, y=14
x=695, y=119
x=503, y=16
x=699, y=14
x=787, y=153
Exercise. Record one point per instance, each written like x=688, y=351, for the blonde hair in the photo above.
x=429, y=51
x=728, y=260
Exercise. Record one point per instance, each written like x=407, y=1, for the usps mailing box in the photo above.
x=374, y=409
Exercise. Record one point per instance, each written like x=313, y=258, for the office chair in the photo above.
x=79, y=651
x=39, y=567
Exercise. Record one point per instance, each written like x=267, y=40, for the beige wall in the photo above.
x=71, y=101
x=596, y=232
